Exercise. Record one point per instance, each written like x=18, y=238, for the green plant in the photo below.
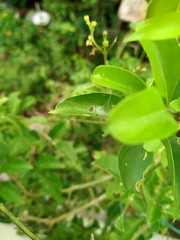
x=144, y=116
x=40, y=158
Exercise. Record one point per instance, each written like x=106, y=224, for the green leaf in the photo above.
x=69, y=151
x=161, y=55
x=3, y=100
x=158, y=28
x=48, y=161
x=51, y=185
x=27, y=103
x=109, y=163
x=11, y=193
x=4, y=150
x=133, y=161
x=117, y=78
x=21, y=144
x=153, y=146
x=176, y=91
x=161, y=7
x=131, y=226
x=173, y=155
x=119, y=224
x=153, y=211
x=93, y=104
x=115, y=190
x=140, y=118
x=175, y=105
x=59, y=129
x=16, y=165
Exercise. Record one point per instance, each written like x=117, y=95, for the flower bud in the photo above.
x=88, y=43
x=90, y=38
x=86, y=19
x=105, y=33
x=106, y=43
x=93, y=23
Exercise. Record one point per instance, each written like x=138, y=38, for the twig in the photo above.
x=87, y=185
x=91, y=121
x=51, y=222
x=18, y=223
x=22, y=188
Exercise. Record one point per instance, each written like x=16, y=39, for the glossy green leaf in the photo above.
x=158, y=28
x=133, y=161
x=164, y=57
x=173, y=155
x=93, y=104
x=161, y=7
x=16, y=165
x=140, y=118
x=117, y=78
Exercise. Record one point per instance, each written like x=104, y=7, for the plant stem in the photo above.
x=18, y=223
x=105, y=56
x=51, y=222
x=87, y=185
x=95, y=43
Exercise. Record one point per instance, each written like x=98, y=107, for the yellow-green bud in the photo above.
x=94, y=23
x=105, y=33
x=88, y=43
x=86, y=19
x=90, y=38
x=106, y=43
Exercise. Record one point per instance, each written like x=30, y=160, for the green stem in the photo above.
x=64, y=216
x=87, y=185
x=105, y=56
x=18, y=223
x=95, y=43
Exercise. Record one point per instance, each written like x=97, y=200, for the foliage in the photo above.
x=41, y=157
x=145, y=120
x=61, y=175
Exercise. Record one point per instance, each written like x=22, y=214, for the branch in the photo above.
x=51, y=222
x=18, y=223
x=87, y=185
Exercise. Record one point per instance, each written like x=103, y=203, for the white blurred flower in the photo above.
x=41, y=18
x=4, y=177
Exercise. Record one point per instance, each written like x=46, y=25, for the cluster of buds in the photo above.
x=91, y=42
x=92, y=24
x=105, y=41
